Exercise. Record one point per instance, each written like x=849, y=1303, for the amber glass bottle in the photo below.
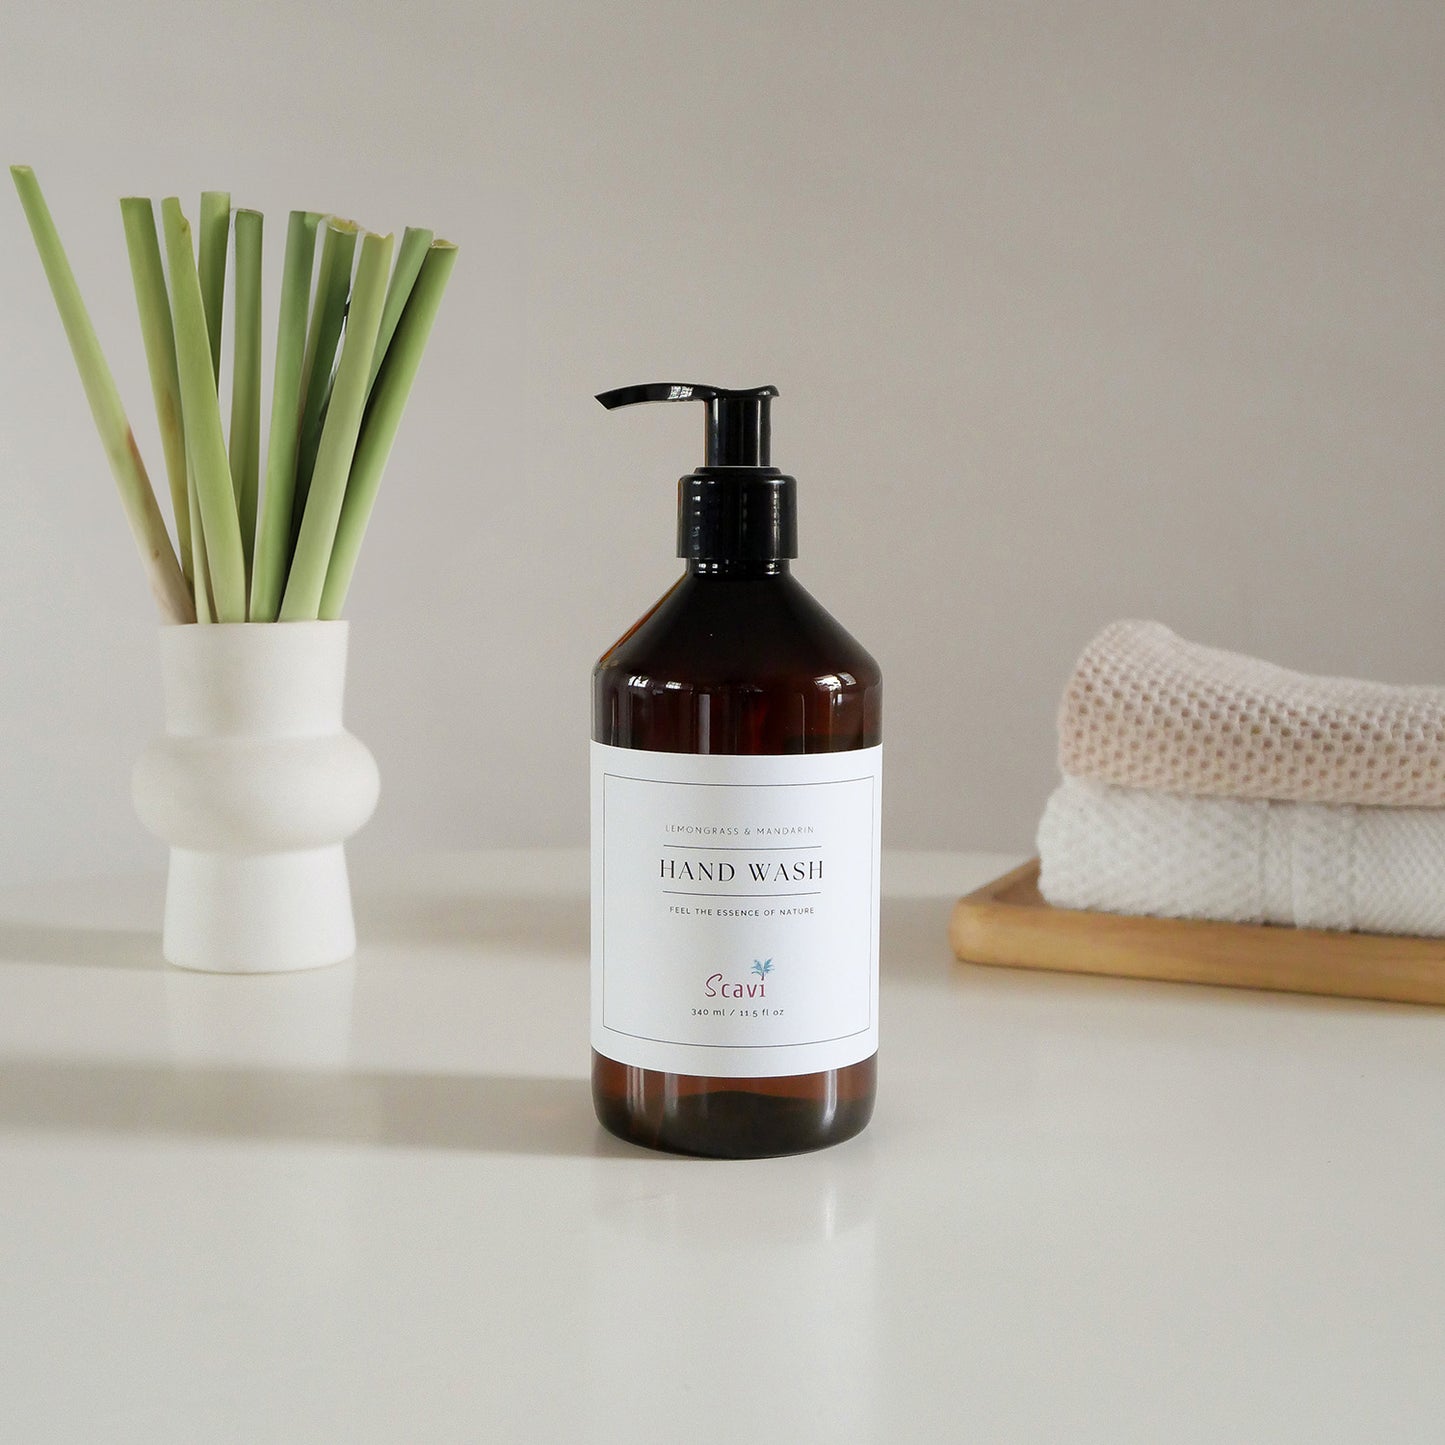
x=735, y=879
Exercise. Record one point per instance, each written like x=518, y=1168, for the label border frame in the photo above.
x=874, y=962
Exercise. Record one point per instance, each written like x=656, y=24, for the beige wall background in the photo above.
x=1077, y=311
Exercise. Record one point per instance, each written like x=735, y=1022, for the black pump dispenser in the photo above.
x=736, y=507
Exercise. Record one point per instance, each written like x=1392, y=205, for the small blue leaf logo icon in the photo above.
x=762, y=967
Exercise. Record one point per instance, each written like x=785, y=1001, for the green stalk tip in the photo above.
x=205, y=440
x=273, y=536
x=214, y=228
x=147, y=525
x=245, y=448
x=384, y=410
x=415, y=243
x=328, y=312
x=338, y=438
x=152, y=302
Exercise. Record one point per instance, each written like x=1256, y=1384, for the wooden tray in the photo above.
x=1008, y=923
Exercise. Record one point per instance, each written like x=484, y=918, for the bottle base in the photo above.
x=733, y=1118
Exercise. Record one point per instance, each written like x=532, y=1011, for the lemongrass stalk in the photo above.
x=139, y=500
x=273, y=535
x=149, y=274
x=383, y=416
x=328, y=311
x=214, y=230
x=204, y=610
x=338, y=438
x=245, y=453
x=205, y=441
x=409, y=257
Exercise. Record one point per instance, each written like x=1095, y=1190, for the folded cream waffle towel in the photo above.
x=1127, y=850
x=1145, y=709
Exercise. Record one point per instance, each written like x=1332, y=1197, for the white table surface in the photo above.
x=371, y=1203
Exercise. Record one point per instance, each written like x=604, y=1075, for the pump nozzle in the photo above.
x=738, y=507
x=739, y=426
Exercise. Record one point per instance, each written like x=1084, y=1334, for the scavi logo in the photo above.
x=717, y=985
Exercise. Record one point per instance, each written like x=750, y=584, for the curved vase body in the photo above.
x=255, y=786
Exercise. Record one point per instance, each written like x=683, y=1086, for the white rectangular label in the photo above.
x=735, y=910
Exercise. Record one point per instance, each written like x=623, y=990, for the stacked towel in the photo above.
x=1146, y=709
x=1201, y=784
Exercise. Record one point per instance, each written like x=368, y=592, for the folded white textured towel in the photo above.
x=1131, y=850
x=1146, y=709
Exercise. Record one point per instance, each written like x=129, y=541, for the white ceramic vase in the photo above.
x=256, y=785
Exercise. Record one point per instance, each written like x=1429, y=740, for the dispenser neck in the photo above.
x=739, y=571
x=740, y=515
x=739, y=429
